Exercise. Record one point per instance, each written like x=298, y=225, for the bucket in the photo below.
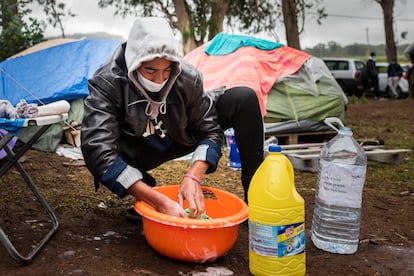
x=194, y=240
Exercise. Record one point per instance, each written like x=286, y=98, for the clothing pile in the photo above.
x=22, y=110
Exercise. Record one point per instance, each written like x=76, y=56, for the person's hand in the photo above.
x=191, y=190
x=170, y=207
x=160, y=202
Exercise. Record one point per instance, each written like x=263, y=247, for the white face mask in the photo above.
x=150, y=85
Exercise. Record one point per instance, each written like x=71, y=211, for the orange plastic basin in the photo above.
x=194, y=240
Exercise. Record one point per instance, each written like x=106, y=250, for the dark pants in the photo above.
x=237, y=108
x=375, y=85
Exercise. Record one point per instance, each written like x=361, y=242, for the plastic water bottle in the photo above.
x=276, y=219
x=234, y=155
x=272, y=140
x=337, y=213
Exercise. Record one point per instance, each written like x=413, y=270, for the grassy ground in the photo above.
x=81, y=246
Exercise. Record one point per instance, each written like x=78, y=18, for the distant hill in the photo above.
x=355, y=50
x=91, y=36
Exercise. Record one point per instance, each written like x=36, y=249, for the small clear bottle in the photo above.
x=233, y=150
x=337, y=212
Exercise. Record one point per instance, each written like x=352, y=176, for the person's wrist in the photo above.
x=194, y=178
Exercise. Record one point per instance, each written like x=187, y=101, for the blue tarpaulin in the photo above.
x=57, y=73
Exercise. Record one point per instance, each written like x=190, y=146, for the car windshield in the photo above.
x=360, y=66
x=337, y=65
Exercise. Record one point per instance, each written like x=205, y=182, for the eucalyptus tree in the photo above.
x=17, y=34
x=388, y=15
x=200, y=20
x=19, y=30
x=55, y=12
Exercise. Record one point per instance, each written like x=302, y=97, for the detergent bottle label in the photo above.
x=277, y=241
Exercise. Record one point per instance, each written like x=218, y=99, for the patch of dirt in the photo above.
x=94, y=237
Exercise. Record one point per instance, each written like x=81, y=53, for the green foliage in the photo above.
x=55, y=12
x=20, y=31
x=19, y=35
x=256, y=16
x=252, y=16
x=199, y=12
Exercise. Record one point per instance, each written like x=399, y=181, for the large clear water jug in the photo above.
x=341, y=177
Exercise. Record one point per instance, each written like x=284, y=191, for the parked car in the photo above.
x=349, y=73
x=402, y=89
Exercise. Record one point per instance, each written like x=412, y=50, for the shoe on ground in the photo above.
x=132, y=215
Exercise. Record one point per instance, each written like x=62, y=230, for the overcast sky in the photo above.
x=350, y=21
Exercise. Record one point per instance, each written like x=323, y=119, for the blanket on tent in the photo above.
x=224, y=44
x=248, y=64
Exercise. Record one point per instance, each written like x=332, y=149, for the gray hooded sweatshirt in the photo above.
x=145, y=44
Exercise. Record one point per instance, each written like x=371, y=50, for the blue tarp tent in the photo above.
x=56, y=73
x=43, y=75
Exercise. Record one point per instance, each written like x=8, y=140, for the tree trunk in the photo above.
x=291, y=23
x=218, y=12
x=184, y=25
x=387, y=9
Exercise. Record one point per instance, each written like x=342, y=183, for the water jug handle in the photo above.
x=331, y=120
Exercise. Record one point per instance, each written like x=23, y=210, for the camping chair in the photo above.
x=12, y=160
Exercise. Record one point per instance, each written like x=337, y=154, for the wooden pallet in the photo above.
x=306, y=157
x=304, y=137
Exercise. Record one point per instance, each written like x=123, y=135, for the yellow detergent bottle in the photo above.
x=276, y=219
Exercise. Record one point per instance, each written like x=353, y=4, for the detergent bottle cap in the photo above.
x=275, y=148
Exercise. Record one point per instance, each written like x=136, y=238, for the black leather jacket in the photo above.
x=115, y=107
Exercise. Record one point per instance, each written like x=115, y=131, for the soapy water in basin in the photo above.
x=195, y=240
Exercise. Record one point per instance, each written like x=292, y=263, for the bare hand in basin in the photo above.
x=159, y=201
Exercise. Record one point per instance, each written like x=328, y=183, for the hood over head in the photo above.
x=150, y=38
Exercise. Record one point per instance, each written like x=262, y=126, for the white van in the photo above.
x=349, y=73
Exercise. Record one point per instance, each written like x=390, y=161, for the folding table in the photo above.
x=12, y=160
